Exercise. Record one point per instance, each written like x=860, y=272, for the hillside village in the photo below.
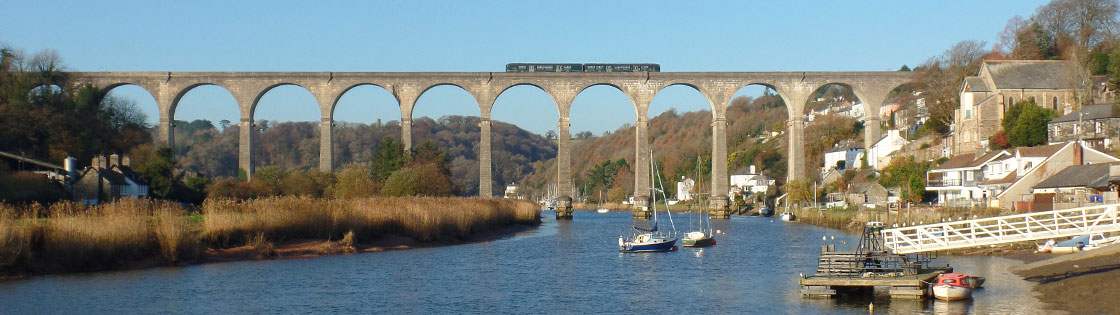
x=973, y=166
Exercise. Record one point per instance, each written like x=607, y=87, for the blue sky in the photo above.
x=484, y=36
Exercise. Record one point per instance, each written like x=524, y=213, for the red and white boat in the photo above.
x=953, y=286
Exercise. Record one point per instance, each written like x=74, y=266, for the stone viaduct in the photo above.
x=247, y=88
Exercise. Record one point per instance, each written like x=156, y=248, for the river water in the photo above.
x=568, y=267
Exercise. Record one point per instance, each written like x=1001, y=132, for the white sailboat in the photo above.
x=649, y=239
x=697, y=235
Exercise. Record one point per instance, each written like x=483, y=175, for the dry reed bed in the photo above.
x=71, y=237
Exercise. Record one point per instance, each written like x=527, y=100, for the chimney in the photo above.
x=114, y=160
x=752, y=169
x=1078, y=159
x=125, y=161
x=99, y=162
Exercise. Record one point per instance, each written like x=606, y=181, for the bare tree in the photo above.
x=942, y=77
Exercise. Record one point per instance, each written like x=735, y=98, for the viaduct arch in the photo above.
x=794, y=88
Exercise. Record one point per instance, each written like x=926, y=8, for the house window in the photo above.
x=1027, y=167
x=1055, y=103
x=968, y=113
x=1010, y=101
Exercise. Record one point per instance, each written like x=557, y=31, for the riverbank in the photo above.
x=133, y=234
x=1089, y=283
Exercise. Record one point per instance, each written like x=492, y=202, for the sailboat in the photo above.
x=601, y=209
x=699, y=237
x=643, y=239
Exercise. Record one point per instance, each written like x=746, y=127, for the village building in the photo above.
x=511, y=192
x=879, y=156
x=684, y=188
x=1006, y=179
x=999, y=84
x=1078, y=186
x=108, y=179
x=957, y=181
x=868, y=195
x=750, y=183
x=843, y=156
x=1096, y=125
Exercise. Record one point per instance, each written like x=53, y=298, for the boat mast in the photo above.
x=661, y=184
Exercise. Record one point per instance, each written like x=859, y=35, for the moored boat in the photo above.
x=697, y=239
x=765, y=211
x=952, y=286
x=788, y=216
x=699, y=236
x=649, y=239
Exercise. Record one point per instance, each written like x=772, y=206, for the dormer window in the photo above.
x=1027, y=167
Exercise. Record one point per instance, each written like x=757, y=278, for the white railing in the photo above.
x=1005, y=229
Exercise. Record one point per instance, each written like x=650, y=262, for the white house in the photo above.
x=957, y=181
x=880, y=154
x=1001, y=178
x=750, y=183
x=849, y=152
x=511, y=191
x=684, y=188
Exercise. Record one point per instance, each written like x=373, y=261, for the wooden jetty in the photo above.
x=870, y=266
x=914, y=286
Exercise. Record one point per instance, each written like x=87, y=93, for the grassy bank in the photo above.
x=854, y=220
x=70, y=237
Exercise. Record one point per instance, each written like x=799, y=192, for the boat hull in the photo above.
x=654, y=245
x=698, y=242
x=951, y=292
x=788, y=217
x=602, y=210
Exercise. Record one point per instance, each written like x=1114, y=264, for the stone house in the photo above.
x=999, y=84
x=1097, y=125
x=868, y=195
x=107, y=180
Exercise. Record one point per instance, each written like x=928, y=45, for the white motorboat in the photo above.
x=952, y=286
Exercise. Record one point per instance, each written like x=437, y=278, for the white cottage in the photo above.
x=880, y=154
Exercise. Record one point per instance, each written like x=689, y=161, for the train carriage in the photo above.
x=577, y=67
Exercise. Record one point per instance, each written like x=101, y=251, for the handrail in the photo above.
x=1002, y=229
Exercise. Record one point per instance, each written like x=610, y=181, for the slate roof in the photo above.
x=957, y=162
x=1089, y=112
x=1092, y=175
x=845, y=146
x=127, y=171
x=967, y=160
x=1040, y=151
x=1032, y=74
x=976, y=84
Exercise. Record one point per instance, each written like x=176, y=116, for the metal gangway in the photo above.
x=1003, y=229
